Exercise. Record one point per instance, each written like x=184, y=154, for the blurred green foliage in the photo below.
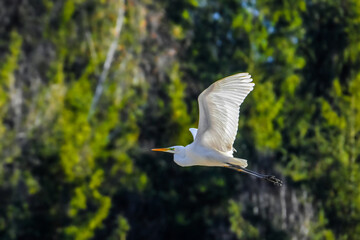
x=71, y=172
x=239, y=225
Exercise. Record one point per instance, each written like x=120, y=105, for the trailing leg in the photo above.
x=269, y=178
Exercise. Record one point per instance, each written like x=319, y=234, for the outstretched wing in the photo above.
x=219, y=107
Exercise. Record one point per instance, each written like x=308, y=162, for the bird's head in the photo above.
x=173, y=149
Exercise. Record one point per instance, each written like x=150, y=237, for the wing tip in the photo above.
x=241, y=75
x=244, y=79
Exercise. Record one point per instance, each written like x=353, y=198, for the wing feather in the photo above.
x=219, y=107
x=193, y=132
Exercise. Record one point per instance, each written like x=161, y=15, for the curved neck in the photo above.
x=180, y=156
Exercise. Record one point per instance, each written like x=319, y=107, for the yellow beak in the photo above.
x=160, y=149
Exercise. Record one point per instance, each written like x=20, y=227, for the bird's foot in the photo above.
x=274, y=180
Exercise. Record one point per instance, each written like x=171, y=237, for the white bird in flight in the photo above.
x=219, y=107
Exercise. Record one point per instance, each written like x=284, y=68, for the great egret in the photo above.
x=219, y=107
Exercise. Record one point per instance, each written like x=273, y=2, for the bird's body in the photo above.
x=195, y=154
x=219, y=107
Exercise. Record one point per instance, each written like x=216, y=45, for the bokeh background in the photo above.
x=88, y=87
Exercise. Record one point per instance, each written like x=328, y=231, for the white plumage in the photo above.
x=219, y=107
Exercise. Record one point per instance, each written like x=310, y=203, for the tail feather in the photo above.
x=238, y=162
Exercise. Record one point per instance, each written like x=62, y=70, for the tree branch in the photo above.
x=108, y=61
